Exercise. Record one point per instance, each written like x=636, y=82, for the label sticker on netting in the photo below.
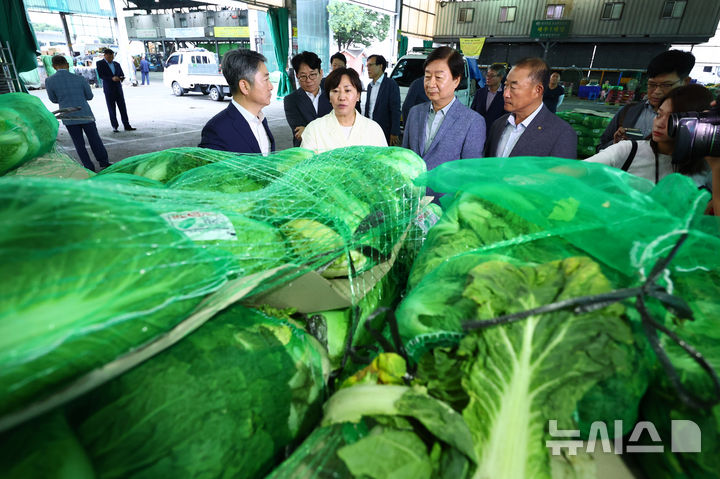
x=425, y=220
x=202, y=225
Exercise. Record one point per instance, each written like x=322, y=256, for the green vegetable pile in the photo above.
x=27, y=129
x=521, y=234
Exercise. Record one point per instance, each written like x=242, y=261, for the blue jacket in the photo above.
x=144, y=66
x=299, y=110
x=387, y=107
x=461, y=134
x=496, y=110
x=229, y=131
x=110, y=87
x=546, y=135
x=70, y=90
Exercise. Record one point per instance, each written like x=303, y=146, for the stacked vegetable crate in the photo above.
x=589, y=126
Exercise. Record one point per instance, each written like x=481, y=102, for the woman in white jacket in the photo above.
x=653, y=158
x=343, y=126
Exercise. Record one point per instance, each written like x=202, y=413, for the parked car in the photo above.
x=410, y=67
x=195, y=70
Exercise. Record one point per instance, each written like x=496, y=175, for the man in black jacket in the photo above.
x=111, y=74
x=309, y=101
x=667, y=71
x=488, y=100
x=382, y=103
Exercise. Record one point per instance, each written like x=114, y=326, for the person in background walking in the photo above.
x=111, y=74
x=70, y=90
x=145, y=70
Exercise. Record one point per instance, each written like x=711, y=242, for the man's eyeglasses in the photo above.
x=663, y=86
x=491, y=75
x=371, y=64
x=308, y=77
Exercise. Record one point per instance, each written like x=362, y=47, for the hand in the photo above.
x=116, y=78
x=619, y=135
x=298, y=132
x=394, y=140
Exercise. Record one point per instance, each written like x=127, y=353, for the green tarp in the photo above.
x=278, y=20
x=15, y=28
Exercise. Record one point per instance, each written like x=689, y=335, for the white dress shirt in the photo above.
x=374, y=93
x=314, y=99
x=256, y=126
x=513, y=132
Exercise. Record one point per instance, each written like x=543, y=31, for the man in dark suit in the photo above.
x=112, y=76
x=242, y=127
x=309, y=101
x=383, y=100
x=488, y=100
x=530, y=129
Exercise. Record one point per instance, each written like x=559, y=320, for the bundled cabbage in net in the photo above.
x=27, y=129
x=53, y=164
x=499, y=315
x=223, y=402
x=87, y=274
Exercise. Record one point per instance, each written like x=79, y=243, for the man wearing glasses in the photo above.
x=382, y=103
x=667, y=71
x=488, y=100
x=307, y=102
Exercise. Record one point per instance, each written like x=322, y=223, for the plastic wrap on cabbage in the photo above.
x=27, y=129
x=87, y=276
x=223, y=402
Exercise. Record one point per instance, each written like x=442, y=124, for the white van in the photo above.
x=410, y=67
x=195, y=70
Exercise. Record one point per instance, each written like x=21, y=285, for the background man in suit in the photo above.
x=415, y=96
x=488, y=100
x=307, y=102
x=242, y=127
x=112, y=76
x=70, y=90
x=383, y=100
x=338, y=60
x=444, y=129
x=530, y=129
x=145, y=70
x=667, y=71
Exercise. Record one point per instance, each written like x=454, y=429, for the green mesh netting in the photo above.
x=544, y=209
x=520, y=234
x=121, y=259
x=27, y=129
x=53, y=164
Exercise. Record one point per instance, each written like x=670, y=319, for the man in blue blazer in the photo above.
x=444, y=129
x=242, y=127
x=111, y=74
x=530, y=129
x=488, y=100
x=382, y=103
x=309, y=101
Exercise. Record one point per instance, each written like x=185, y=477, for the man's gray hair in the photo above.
x=498, y=68
x=241, y=64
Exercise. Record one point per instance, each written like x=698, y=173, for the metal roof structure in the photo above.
x=151, y=6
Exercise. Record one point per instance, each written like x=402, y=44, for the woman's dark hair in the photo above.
x=308, y=58
x=454, y=59
x=683, y=99
x=333, y=79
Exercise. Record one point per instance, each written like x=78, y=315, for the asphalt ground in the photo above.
x=166, y=121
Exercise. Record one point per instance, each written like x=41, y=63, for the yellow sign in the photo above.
x=294, y=32
x=232, y=32
x=471, y=47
